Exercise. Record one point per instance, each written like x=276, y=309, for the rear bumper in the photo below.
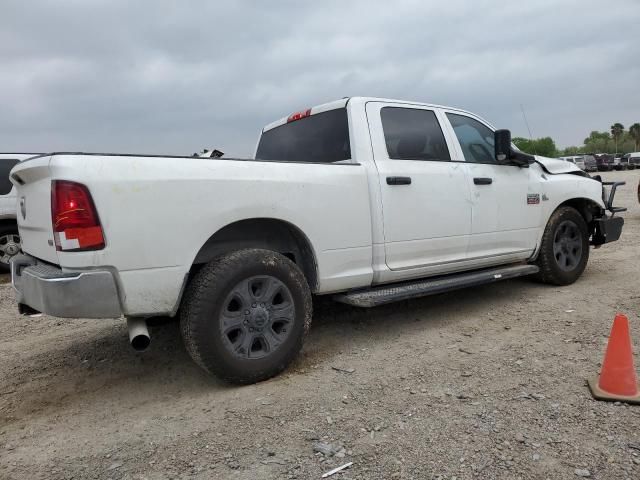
x=45, y=288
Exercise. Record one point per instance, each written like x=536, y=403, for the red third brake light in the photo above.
x=76, y=225
x=298, y=115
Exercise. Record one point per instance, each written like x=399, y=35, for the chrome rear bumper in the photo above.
x=45, y=288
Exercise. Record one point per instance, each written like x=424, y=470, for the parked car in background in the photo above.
x=631, y=160
x=578, y=161
x=617, y=163
x=9, y=236
x=624, y=160
x=590, y=164
x=604, y=161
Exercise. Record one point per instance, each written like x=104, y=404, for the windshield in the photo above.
x=323, y=137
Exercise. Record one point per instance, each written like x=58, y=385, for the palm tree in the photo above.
x=616, y=132
x=634, y=132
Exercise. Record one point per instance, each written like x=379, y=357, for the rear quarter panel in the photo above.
x=157, y=212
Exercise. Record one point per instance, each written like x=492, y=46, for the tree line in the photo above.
x=617, y=140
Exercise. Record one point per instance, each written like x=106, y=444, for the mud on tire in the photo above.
x=245, y=314
x=564, y=250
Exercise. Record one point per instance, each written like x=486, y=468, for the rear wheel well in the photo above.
x=270, y=234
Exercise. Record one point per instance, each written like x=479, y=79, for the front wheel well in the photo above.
x=267, y=233
x=586, y=207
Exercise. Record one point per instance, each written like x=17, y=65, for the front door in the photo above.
x=506, y=206
x=425, y=197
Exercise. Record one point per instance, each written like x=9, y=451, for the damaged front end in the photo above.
x=608, y=228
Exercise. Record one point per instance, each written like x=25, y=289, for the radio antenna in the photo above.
x=529, y=129
x=526, y=122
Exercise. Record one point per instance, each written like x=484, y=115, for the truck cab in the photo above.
x=440, y=202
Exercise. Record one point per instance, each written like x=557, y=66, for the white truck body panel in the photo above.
x=158, y=212
x=176, y=204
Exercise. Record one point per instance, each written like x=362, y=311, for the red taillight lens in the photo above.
x=76, y=225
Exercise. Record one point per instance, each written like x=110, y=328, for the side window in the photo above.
x=413, y=134
x=475, y=139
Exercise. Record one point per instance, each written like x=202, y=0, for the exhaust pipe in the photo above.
x=138, y=334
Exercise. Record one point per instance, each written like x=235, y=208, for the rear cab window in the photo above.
x=318, y=138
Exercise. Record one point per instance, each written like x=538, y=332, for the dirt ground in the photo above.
x=480, y=383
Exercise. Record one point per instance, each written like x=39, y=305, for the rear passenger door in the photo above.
x=425, y=196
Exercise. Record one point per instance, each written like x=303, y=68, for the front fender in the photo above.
x=583, y=193
x=559, y=189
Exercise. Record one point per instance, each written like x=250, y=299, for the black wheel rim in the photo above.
x=256, y=317
x=567, y=246
x=9, y=247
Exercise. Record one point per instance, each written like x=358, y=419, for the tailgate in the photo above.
x=32, y=179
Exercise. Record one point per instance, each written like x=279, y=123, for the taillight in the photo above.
x=76, y=225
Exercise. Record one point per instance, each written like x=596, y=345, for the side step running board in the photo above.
x=421, y=288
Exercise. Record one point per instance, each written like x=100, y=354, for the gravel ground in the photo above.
x=481, y=383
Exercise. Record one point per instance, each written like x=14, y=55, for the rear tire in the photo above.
x=564, y=251
x=244, y=315
x=9, y=245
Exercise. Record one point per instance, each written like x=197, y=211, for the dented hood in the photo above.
x=553, y=165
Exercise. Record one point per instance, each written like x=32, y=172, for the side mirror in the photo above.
x=505, y=154
x=502, y=145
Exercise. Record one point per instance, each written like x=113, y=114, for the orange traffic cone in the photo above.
x=618, y=381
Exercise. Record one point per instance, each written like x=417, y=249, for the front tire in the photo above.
x=244, y=315
x=564, y=251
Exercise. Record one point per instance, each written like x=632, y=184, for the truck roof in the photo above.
x=343, y=103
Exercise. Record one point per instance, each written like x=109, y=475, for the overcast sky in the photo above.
x=175, y=77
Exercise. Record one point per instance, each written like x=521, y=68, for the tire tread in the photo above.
x=546, y=262
x=210, y=280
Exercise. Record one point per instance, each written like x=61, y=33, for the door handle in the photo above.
x=398, y=180
x=483, y=181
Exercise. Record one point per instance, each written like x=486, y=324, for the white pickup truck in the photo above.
x=369, y=200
